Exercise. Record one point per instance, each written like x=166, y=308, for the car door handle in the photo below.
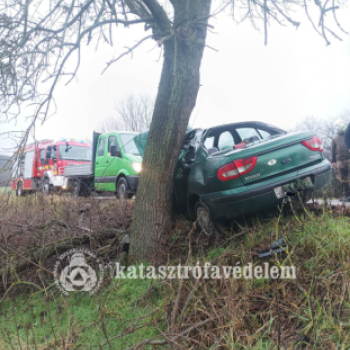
x=106, y=161
x=96, y=162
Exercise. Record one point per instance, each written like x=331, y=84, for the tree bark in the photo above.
x=176, y=98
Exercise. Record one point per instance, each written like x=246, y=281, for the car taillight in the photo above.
x=315, y=144
x=228, y=172
x=237, y=168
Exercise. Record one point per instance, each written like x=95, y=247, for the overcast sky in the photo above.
x=294, y=76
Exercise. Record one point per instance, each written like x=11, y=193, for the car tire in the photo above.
x=123, y=189
x=204, y=221
x=19, y=190
x=46, y=188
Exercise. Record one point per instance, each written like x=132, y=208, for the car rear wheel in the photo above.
x=19, y=191
x=123, y=190
x=204, y=220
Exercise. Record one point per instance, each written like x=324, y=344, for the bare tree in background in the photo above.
x=134, y=113
x=324, y=128
x=39, y=37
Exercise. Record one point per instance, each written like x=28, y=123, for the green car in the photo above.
x=237, y=169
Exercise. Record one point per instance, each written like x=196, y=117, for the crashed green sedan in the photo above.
x=237, y=169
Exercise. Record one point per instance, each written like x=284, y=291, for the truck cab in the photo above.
x=117, y=163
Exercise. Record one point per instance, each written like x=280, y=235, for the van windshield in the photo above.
x=77, y=153
x=129, y=144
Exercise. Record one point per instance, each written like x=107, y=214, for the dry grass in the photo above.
x=311, y=312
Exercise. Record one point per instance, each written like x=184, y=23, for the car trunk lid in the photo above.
x=274, y=157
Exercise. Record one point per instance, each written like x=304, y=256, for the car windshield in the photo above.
x=129, y=144
x=77, y=153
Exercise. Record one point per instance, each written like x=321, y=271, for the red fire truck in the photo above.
x=41, y=166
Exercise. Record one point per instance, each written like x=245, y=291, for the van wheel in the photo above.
x=123, y=190
x=46, y=187
x=204, y=220
x=19, y=191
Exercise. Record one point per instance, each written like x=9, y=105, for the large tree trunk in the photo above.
x=177, y=94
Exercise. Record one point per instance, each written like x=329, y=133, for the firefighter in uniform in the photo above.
x=341, y=159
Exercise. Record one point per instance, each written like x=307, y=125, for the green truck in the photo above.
x=115, y=166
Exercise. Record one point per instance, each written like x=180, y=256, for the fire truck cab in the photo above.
x=41, y=165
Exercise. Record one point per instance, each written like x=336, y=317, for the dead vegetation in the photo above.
x=36, y=228
x=310, y=312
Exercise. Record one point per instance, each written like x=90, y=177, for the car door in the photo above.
x=100, y=164
x=112, y=163
x=183, y=168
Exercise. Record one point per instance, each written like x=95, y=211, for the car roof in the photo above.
x=238, y=124
x=256, y=123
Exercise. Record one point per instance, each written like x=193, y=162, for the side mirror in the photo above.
x=67, y=147
x=113, y=151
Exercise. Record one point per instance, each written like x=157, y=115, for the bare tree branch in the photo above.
x=129, y=50
x=134, y=113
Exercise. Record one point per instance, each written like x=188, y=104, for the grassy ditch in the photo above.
x=309, y=312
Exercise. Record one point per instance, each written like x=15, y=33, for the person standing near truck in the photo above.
x=341, y=158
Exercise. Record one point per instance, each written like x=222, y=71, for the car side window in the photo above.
x=101, y=147
x=248, y=133
x=112, y=141
x=264, y=134
x=209, y=142
x=226, y=141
